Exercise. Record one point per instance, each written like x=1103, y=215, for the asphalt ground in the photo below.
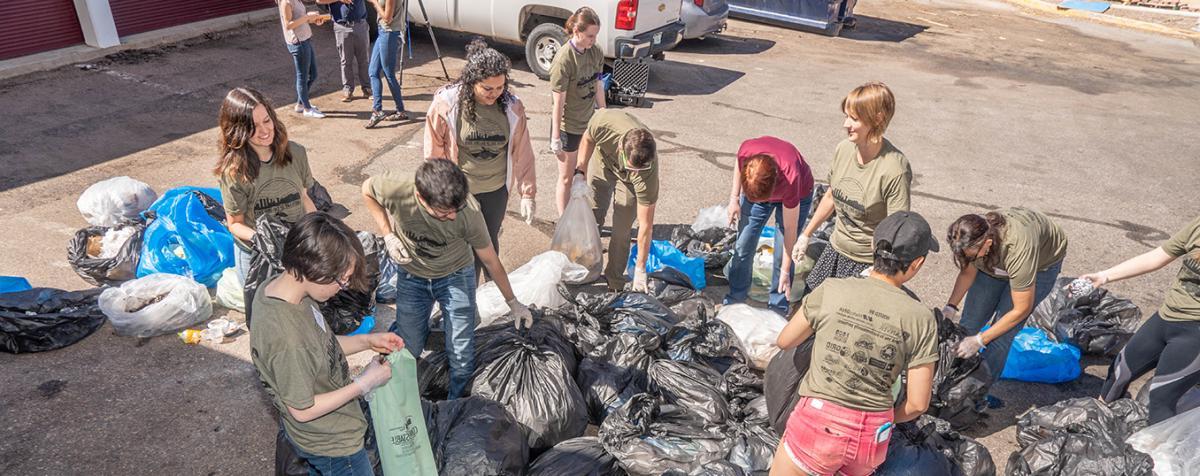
x=996, y=107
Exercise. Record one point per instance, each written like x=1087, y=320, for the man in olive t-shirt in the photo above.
x=626, y=175
x=433, y=229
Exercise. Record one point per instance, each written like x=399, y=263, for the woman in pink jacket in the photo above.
x=479, y=124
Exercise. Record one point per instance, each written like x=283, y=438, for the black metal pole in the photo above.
x=436, y=50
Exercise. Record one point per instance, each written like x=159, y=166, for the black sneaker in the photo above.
x=376, y=118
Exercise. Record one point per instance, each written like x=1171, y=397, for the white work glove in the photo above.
x=522, y=317
x=866, y=273
x=377, y=373
x=556, y=146
x=970, y=346
x=396, y=249
x=800, y=248
x=528, y=207
x=949, y=312
x=639, y=281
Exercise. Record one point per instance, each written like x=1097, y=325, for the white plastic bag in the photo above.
x=115, y=201
x=756, y=330
x=716, y=216
x=156, y=304
x=114, y=241
x=1172, y=444
x=578, y=235
x=230, y=292
x=534, y=283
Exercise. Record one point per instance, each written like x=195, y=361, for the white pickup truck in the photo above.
x=629, y=29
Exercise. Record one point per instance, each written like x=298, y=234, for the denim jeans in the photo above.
x=989, y=299
x=750, y=225
x=455, y=294
x=241, y=262
x=357, y=464
x=383, y=64
x=305, y=61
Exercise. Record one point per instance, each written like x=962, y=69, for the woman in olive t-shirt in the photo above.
x=1008, y=261
x=1169, y=341
x=869, y=179
x=576, y=93
x=259, y=170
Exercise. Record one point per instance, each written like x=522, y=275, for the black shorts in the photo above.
x=570, y=142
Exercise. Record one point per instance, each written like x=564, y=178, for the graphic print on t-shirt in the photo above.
x=1189, y=275
x=848, y=195
x=277, y=196
x=862, y=342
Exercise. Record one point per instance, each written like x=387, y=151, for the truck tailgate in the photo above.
x=654, y=14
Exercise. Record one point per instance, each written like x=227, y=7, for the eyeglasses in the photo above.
x=342, y=285
x=629, y=166
x=443, y=214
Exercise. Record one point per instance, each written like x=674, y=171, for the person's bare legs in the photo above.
x=566, y=172
x=782, y=465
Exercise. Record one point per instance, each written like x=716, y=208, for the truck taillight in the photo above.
x=699, y=3
x=627, y=14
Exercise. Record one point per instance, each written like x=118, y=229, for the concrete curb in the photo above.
x=1042, y=6
x=82, y=53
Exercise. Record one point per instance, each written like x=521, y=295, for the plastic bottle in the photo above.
x=190, y=336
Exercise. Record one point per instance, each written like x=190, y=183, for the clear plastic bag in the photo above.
x=230, y=293
x=578, y=235
x=716, y=216
x=534, y=283
x=156, y=304
x=756, y=329
x=1171, y=444
x=115, y=201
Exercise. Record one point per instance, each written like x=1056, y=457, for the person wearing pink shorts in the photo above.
x=866, y=331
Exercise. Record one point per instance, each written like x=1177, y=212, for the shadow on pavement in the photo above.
x=882, y=29
x=724, y=44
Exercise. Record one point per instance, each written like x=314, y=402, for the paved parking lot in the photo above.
x=996, y=107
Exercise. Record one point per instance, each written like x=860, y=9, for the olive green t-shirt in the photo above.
x=278, y=190
x=863, y=195
x=574, y=73
x=298, y=357
x=438, y=247
x=1030, y=243
x=1183, y=299
x=606, y=129
x=483, y=148
x=867, y=332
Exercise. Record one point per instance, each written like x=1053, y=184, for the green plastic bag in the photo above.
x=399, y=423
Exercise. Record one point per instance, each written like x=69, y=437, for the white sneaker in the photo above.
x=314, y=113
x=299, y=109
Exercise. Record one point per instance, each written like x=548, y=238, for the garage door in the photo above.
x=55, y=25
x=137, y=16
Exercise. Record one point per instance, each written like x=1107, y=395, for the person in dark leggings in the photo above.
x=1169, y=341
x=479, y=124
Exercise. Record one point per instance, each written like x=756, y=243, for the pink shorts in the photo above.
x=825, y=438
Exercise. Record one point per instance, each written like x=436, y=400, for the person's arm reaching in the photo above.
x=585, y=152
x=1149, y=261
x=735, y=195
x=645, y=238
x=920, y=391
x=791, y=219
x=238, y=227
x=1022, y=305
x=381, y=342
x=820, y=215
x=797, y=330
x=966, y=277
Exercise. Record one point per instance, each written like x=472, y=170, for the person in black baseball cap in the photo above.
x=866, y=331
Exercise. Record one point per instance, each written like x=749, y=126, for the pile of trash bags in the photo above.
x=1098, y=322
x=109, y=249
x=709, y=238
x=42, y=319
x=928, y=446
x=1080, y=436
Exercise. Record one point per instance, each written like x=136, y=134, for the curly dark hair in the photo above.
x=482, y=62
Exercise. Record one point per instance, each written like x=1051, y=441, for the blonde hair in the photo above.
x=874, y=105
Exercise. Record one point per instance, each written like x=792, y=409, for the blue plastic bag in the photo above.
x=185, y=236
x=12, y=284
x=663, y=254
x=1033, y=357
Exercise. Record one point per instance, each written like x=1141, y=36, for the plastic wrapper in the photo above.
x=1172, y=444
x=231, y=293
x=577, y=234
x=756, y=330
x=42, y=319
x=115, y=201
x=155, y=305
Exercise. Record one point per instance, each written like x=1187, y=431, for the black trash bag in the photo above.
x=754, y=442
x=529, y=373
x=433, y=369
x=474, y=436
x=42, y=319
x=625, y=312
x=583, y=456
x=1098, y=323
x=605, y=387
x=583, y=330
x=346, y=310
x=692, y=307
x=287, y=461
x=960, y=386
x=1083, y=415
x=101, y=271
x=670, y=286
x=1188, y=401
x=320, y=197
x=650, y=437
x=631, y=351
x=266, y=257
x=782, y=381
x=909, y=454
x=714, y=245
x=690, y=385
x=704, y=340
x=917, y=439
x=711, y=468
x=744, y=387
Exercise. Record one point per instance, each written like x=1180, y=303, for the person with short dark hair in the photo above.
x=867, y=332
x=433, y=229
x=771, y=179
x=626, y=176
x=302, y=363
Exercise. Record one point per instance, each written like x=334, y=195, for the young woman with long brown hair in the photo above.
x=260, y=171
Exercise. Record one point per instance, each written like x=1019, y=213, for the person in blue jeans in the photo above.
x=433, y=229
x=771, y=179
x=393, y=23
x=1008, y=260
x=297, y=34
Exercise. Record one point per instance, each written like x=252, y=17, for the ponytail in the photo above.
x=581, y=19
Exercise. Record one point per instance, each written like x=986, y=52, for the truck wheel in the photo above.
x=542, y=45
